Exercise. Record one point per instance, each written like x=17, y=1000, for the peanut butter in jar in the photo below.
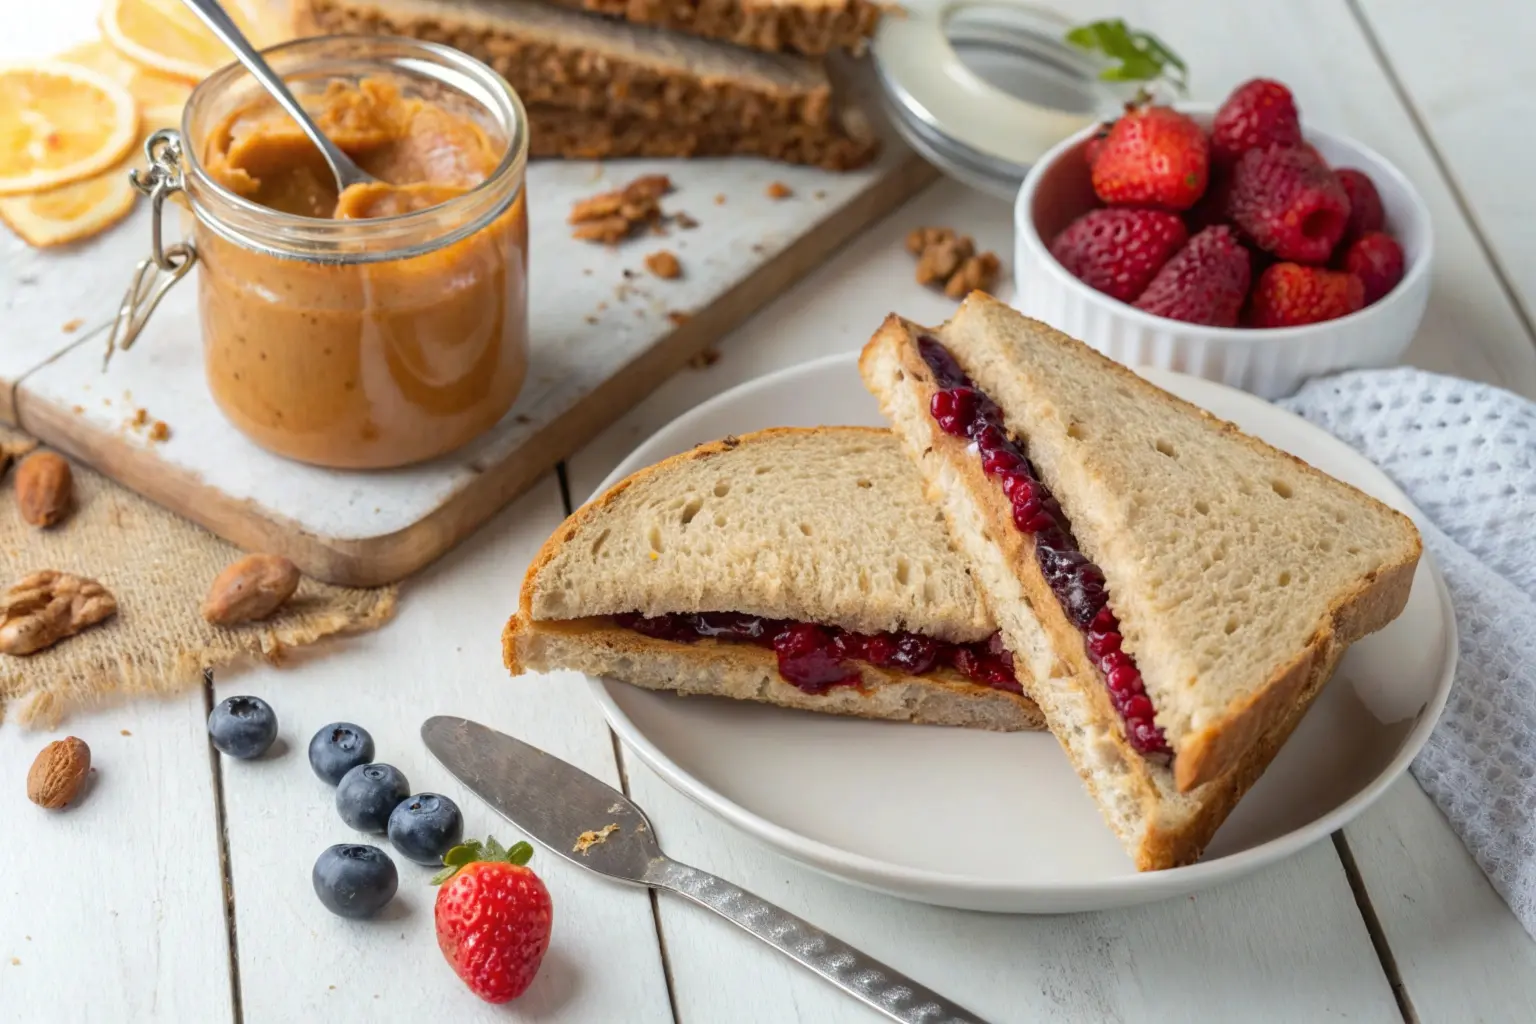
x=384, y=325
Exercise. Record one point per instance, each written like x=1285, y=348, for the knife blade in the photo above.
x=591, y=824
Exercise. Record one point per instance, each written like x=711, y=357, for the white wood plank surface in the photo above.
x=1463, y=66
x=441, y=656
x=113, y=909
x=1461, y=955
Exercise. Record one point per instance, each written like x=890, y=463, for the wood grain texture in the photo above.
x=441, y=655
x=113, y=909
x=1460, y=953
x=1460, y=66
x=601, y=336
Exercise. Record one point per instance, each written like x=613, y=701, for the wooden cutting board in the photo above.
x=602, y=333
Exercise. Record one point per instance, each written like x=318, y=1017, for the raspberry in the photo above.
x=1258, y=114
x=1365, y=211
x=1289, y=294
x=1204, y=283
x=1289, y=202
x=1118, y=251
x=1377, y=260
x=1212, y=207
x=1153, y=156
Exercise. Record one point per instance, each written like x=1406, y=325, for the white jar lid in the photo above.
x=983, y=88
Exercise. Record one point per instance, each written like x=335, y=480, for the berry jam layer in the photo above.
x=816, y=658
x=962, y=410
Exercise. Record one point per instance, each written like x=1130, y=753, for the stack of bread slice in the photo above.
x=648, y=82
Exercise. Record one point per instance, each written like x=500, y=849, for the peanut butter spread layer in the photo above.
x=422, y=154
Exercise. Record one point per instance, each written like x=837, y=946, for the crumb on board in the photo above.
x=704, y=360
x=71, y=326
x=124, y=732
x=522, y=418
x=678, y=317
x=611, y=217
x=684, y=221
x=779, y=190
x=77, y=409
x=591, y=319
x=664, y=265
x=949, y=261
x=820, y=193
x=159, y=431
x=720, y=199
x=140, y=418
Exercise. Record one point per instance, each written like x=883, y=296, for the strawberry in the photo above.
x=493, y=918
x=1204, y=283
x=1288, y=201
x=1289, y=294
x=1365, y=211
x=1118, y=250
x=1377, y=260
x=1258, y=114
x=1095, y=143
x=1153, y=156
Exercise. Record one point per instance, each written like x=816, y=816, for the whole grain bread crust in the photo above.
x=746, y=671
x=1214, y=766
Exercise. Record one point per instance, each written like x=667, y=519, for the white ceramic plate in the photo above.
x=994, y=822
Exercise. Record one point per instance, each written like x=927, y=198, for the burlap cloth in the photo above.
x=158, y=566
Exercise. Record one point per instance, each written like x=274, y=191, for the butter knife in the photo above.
x=591, y=824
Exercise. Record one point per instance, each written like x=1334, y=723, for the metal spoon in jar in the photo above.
x=218, y=20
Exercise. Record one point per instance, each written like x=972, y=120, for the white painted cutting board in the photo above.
x=601, y=337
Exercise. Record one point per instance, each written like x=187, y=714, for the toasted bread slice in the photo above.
x=827, y=526
x=1238, y=573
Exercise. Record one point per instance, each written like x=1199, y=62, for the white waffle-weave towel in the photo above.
x=1466, y=454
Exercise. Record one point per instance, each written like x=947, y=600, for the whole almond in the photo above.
x=44, y=488
x=57, y=774
x=249, y=589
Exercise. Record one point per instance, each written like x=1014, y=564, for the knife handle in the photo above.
x=860, y=975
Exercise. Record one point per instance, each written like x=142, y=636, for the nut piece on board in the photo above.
x=57, y=774
x=251, y=588
x=41, y=609
x=44, y=488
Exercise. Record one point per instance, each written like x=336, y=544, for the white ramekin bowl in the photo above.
x=1269, y=362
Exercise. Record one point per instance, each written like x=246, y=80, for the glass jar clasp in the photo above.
x=165, y=265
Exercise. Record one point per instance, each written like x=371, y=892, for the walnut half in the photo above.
x=41, y=609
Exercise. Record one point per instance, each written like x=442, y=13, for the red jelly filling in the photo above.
x=962, y=410
x=816, y=658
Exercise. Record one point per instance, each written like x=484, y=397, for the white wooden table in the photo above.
x=179, y=890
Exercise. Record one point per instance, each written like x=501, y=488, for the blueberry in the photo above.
x=242, y=727
x=338, y=748
x=425, y=827
x=368, y=793
x=353, y=880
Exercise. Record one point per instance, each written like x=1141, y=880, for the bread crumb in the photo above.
x=678, y=317
x=949, y=261
x=704, y=360
x=124, y=732
x=779, y=190
x=523, y=418
x=684, y=221
x=720, y=199
x=71, y=326
x=587, y=840
x=614, y=216
x=160, y=431
x=140, y=417
x=591, y=319
x=77, y=409
x=664, y=265
x=820, y=193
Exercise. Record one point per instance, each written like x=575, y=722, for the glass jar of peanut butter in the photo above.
x=386, y=324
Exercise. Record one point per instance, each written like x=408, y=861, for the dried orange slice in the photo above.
x=60, y=123
x=160, y=97
x=165, y=36
x=71, y=212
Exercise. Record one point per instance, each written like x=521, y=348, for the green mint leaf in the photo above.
x=1138, y=56
x=520, y=854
